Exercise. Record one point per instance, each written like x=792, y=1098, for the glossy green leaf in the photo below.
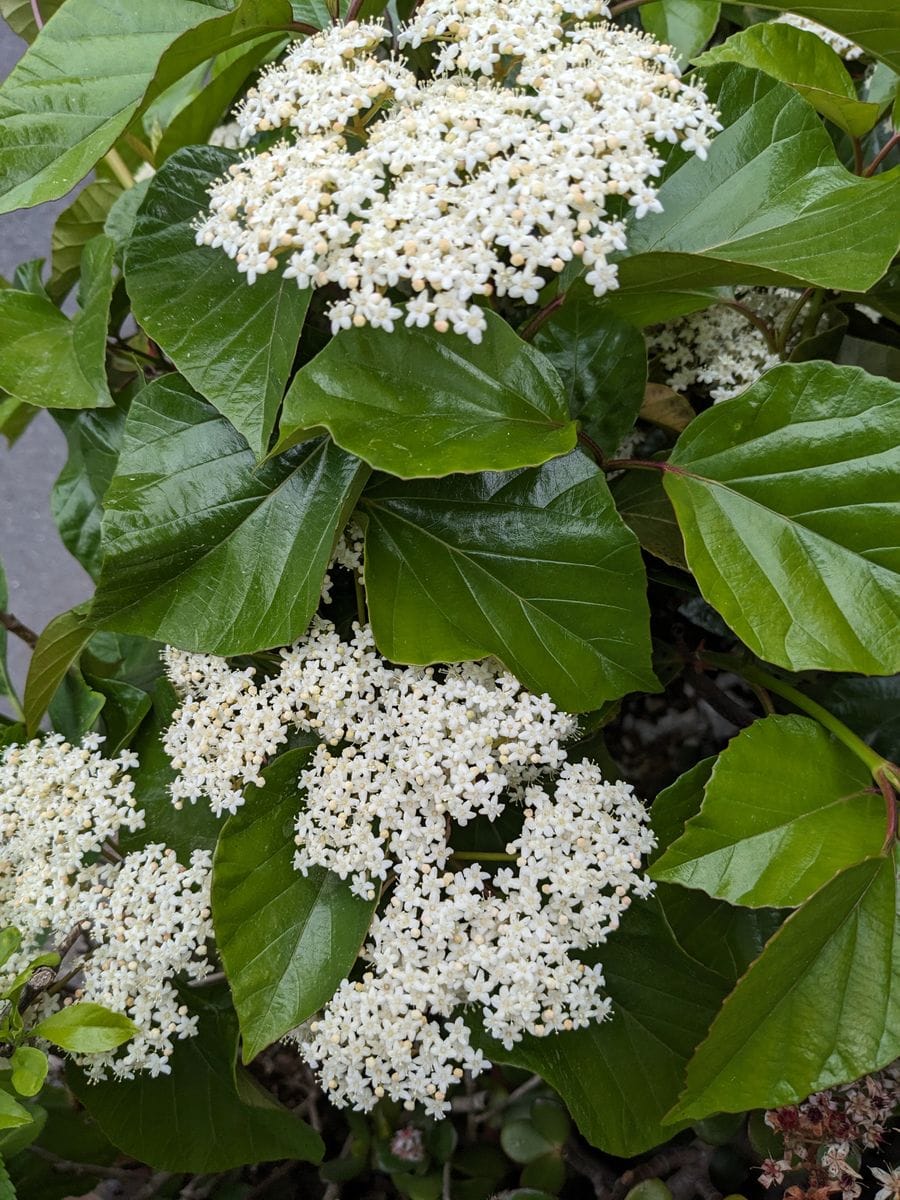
x=647, y=511
x=602, y=362
x=82, y=221
x=71, y=96
x=50, y=361
x=787, y=806
x=872, y=24
x=86, y=1028
x=685, y=24
x=772, y=203
x=12, y=1114
x=204, y=548
x=121, y=217
x=75, y=708
x=223, y=1117
x=238, y=347
x=29, y=1070
x=783, y=497
x=808, y=64
x=819, y=1007
x=534, y=567
x=59, y=645
x=871, y=707
x=416, y=402
x=286, y=940
x=617, y=1078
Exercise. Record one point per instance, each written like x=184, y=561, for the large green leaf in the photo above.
x=50, y=361
x=286, y=940
x=238, y=347
x=618, y=1077
x=75, y=91
x=819, y=1007
x=808, y=64
x=872, y=24
x=204, y=548
x=772, y=203
x=59, y=645
x=602, y=362
x=784, y=496
x=207, y=1116
x=787, y=807
x=646, y=509
x=535, y=567
x=82, y=221
x=416, y=402
x=685, y=24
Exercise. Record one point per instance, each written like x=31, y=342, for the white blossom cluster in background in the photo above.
x=409, y=757
x=840, y=45
x=422, y=200
x=145, y=917
x=719, y=349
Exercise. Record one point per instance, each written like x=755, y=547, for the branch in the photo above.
x=65, y=1167
x=882, y=154
x=539, y=318
x=14, y=625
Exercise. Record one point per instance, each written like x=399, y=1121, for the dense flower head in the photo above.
x=422, y=200
x=411, y=762
x=840, y=45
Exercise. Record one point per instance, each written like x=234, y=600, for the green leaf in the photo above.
x=286, y=940
x=238, y=348
x=12, y=1114
x=685, y=24
x=7, y=1190
x=50, y=361
x=772, y=203
x=19, y=16
x=223, y=1118
x=29, y=1070
x=75, y=91
x=85, y=1028
x=874, y=25
x=204, y=548
x=675, y=805
x=120, y=220
x=783, y=497
x=802, y=59
x=420, y=403
x=871, y=707
x=58, y=646
x=10, y=941
x=93, y=437
x=617, y=1078
x=602, y=362
x=76, y=707
x=647, y=511
x=534, y=567
x=6, y=683
x=82, y=221
x=786, y=807
x=786, y=1030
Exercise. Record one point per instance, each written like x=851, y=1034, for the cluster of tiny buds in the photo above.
x=423, y=200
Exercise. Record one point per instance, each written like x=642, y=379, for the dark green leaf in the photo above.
x=676, y=804
x=647, y=511
x=871, y=707
x=534, y=567
x=206, y=549
x=58, y=646
x=685, y=24
x=787, y=1031
x=772, y=204
x=75, y=707
x=286, y=940
x=238, y=347
x=85, y=1028
x=724, y=938
x=82, y=221
x=783, y=497
x=602, y=362
x=416, y=402
x=222, y=1117
x=50, y=361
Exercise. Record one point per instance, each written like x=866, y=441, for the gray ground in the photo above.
x=43, y=578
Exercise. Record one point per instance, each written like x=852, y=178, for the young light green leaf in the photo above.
x=802, y=59
x=50, y=361
x=783, y=496
x=77, y=225
x=535, y=567
x=772, y=203
x=29, y=1070
x=203, y=547
x=685, y=24
x=10, y=941
x=75, y=91
x=12, y=1114
x=286, y=939
x=420, y=403
x=874, y=25
x=238, y=348
x=85, y=1028
x=602, y=362
x=837, y=955
x=58, y=646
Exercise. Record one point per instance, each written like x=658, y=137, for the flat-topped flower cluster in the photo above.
x=139, y=920
x=417, y=773
x=423, y=200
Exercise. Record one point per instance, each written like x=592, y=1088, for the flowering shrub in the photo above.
x=475, y=766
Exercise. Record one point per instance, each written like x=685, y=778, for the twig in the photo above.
x=886, y=782
x=665, y=1163
x=153, y=1184
x=539, y=318
x=36, y=13
x=524, y=1088
x=65, y=1167
x=601, y=1177
x=446, y=1187
x=303, y=27
x=625, y=5
x=755, y=319
x=15, y=626
x=858, y=161
x=725, y=706
x=263, y=1186
x=596, y=451
x=882, y=154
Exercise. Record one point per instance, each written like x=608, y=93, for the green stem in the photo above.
x=361, y=613
x=119, y=169
x=484, y=856
x=784, y=333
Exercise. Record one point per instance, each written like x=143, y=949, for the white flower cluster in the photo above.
x=719, y=349
x=144, y=916
x=840, y=45
x=408, y=758
x=464, y=187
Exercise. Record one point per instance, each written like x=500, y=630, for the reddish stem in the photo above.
x=539, y=318
x=36, y=13
x=882, y=154
x=303, y=27
x=587, y=440
x=885, y=782
x=858, y=161
x=14, y=625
